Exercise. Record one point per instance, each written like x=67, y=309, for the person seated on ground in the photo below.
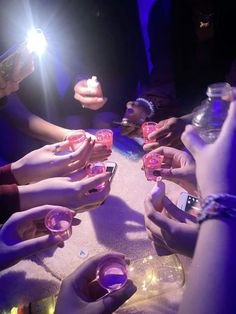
x=43, y=177
x=214, y=256
x=21, y=236
x=190, y=49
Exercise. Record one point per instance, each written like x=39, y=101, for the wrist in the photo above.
x=16, y=169
x=218, y=206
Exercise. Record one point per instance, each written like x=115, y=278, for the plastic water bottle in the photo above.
x=210, y=115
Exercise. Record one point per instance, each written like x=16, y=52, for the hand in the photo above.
x=215, y=163
x=7, y=87
x=179, y=167
x=170, y=229
x=66, y=191
x=12, y=85
x=77, y=296
x=100, y=152
x=42, y=163
x=20, y=237
x=89, y=97
x=135, y=115
x=168, y=133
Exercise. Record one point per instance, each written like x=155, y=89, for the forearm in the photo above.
x=211, y=284
x=31, y=124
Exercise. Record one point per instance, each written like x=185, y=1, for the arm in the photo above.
x=31, y=124
x=211, y=281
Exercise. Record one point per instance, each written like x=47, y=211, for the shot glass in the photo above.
x=112, y=273
x=59, y=221
x=152, y=161
x=105, y=136
x=76, y=138
x=147, y=128
x=95, y=168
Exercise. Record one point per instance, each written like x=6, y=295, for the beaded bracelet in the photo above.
x=148, y=105
x=218, y=205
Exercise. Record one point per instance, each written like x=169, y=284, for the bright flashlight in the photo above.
x=36, y=41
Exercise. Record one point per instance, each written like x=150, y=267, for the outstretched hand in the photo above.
x=170, y=229
x=21, y=236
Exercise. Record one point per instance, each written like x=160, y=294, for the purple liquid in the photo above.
x=112, y=275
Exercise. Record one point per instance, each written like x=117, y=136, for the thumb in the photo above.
x=112, y=301
x=32, y=246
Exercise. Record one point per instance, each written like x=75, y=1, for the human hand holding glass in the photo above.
x=24, y=234
x=81, y=292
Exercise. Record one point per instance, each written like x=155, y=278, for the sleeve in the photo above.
x=9, y=201
x=6, y=175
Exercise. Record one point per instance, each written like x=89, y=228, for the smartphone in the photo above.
x=188, y=203
x=16, y=56
x=111, y=167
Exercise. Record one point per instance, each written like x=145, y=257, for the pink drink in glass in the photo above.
x=58, y=221
x=152, y=161
x=95, y=168
x=105, y=136
x=147, y=128
x=76, y=137
x=112, y=273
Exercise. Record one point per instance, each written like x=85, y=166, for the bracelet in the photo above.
x=216, y=206
x=148, y=105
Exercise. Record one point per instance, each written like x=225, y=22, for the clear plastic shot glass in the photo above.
x=105, y=136
x=147, y=128
x=112, y=273
x=151, y=162
x=75, y=138
x=59, y=221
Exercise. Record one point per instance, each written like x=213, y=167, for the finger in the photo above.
x=157, y=218
x=94, y=199
x=78, y=175
x=150, y=146
x=30, y=215
x=176, y=212
x=159, y=133
x=91, y=182
x=229, y=126
x=91, y=101
x=192, y=140
x=161, y=249
x=32, y=246
x=112, y=301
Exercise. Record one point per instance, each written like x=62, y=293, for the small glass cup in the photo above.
x=105, y=136
x=95, y=168
x=112, y=273
x=147, y=128
x=152, y=161
x=59, y=221
x=76, y=137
